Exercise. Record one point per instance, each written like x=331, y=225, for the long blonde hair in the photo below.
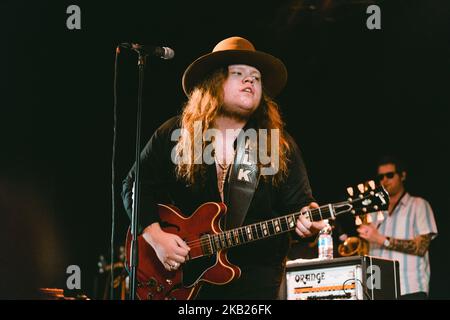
x=204, y=105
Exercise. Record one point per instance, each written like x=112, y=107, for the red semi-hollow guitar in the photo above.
x=209, y=243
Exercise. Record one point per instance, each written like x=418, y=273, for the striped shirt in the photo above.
x=412, y=217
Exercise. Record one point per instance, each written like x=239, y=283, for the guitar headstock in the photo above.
x=367, y=197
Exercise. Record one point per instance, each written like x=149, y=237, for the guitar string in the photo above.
x=283, y=224
x=207, y=241
x=242, y=230
x=258, y=225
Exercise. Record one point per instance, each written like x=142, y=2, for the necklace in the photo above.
x=222, y=176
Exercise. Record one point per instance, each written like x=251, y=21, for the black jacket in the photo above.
x=160, y=185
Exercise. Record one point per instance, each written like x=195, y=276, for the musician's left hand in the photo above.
x=306, y=228
x=371, y=234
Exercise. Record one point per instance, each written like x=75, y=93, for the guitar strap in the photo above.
x=242, y=182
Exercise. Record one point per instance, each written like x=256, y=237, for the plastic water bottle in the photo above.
x=326, y=243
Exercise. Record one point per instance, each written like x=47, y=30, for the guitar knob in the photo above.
x=152, y=282
x=159, y=288
x=150, y=296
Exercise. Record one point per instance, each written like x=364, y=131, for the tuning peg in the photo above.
x=380, y=216
x=350, y=191
x=369, y=218
x=372, y=184
x=361, y=188
x=358, y=221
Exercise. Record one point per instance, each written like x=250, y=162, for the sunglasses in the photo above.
x=388, y=175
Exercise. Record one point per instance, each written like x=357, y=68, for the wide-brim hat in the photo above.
x=237, y=50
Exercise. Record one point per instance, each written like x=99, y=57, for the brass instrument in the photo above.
x=356, y=246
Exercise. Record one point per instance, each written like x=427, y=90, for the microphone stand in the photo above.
x=137, y=179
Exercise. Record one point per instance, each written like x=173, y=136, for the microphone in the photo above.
x=161, y=52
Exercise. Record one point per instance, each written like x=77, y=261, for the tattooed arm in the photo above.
x=417, y=246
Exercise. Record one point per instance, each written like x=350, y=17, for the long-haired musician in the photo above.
x=229, y=90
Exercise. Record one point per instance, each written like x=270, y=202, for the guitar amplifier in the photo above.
x=348, y=278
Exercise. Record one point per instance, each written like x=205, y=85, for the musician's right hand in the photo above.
x=170, y=248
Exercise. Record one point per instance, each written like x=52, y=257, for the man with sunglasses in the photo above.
x=405, y=232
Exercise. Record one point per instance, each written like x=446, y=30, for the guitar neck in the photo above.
x=269, y=228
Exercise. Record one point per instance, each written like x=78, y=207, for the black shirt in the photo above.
x=262, y=261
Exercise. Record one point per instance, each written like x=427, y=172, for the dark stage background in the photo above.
x=352, y=95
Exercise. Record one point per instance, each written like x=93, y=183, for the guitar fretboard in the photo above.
x=264, y=229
